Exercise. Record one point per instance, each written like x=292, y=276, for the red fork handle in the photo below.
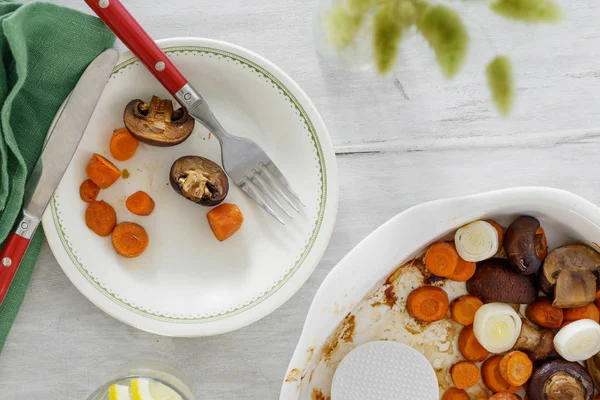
x=10, y=259
x=122, y=23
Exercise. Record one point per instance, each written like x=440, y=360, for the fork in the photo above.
x=245, y=162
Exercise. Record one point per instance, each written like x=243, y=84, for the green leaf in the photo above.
x=500, y=81
x=404, y=12
x=387, y=33
x=341, y=27
x=359, y=6
x=443, y=28
x=527, y=10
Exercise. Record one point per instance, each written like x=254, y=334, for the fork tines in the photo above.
x=265, y=185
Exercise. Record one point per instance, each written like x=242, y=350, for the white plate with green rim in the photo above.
x=187, y=283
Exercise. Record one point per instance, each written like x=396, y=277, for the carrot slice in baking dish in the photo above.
x=441, y=259
x=427, y=304
x=455, y=394
x=463, y=309
x=465, y=374
x=516, y=368
x=469, y=347
x=492, y=378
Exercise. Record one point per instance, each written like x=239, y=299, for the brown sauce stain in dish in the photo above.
x=344, y=332
x=389, y=298
x=125, y=174
x=318, y=395
x=293, y=376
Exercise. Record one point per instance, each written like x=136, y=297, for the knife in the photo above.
x=64, y=137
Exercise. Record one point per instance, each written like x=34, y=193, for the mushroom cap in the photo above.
x=570, y=275
x=157, y=123
x=199, y=180
x=593, y=367
x=519, y=245
x=560, y=380
x=495, y=281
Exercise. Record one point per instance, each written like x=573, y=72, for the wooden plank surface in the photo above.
x=402, y=140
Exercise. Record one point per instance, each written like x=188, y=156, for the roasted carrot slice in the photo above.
x=492, y=378
x=140, y=203
x=469, y=347
x=455, y=394
x=427, y=304
x=88, y=191
x=101, y=218
x=505, y=396
x=122, y=144
x=463, y=309
x=225, y=220
x=129, y=239
x=498, y=228
x=542, y=313
x=441, y=259
x=586, y=312
x=516, y=368
x=464, y=271
x=102, y=172
x=465, y=374
x=541, y=243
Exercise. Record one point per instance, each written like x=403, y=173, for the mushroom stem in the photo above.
x=538, y=344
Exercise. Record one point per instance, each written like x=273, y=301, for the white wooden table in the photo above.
x=403, y=140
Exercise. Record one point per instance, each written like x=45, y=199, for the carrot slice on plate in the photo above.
x=140, y=203
x=88, y=191
x=122, y=144
x=102, y=172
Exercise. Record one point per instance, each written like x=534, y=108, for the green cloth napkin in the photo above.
x=44, y=49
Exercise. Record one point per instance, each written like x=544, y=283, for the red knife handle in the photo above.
x=14, y=250
x=122, y=23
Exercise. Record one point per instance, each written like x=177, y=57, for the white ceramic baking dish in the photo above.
x=565, y=217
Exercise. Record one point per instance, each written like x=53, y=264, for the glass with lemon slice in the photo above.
x=144, y=380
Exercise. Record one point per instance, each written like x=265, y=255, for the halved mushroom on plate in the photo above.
x=199, y=180
x=560, y=380
x=157, y=123
x=570, y=275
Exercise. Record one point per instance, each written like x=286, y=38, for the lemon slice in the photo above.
x=118, y=392
x=146, y=389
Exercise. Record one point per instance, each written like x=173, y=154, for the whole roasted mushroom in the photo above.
x=560, y=380
x=157, y=123
x=199, y=180
x=495, y=281
x=520, y=247
x=570, y=275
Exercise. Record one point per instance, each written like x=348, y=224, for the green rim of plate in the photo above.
x=256, y=301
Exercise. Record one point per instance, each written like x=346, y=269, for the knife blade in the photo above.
x=63, y=138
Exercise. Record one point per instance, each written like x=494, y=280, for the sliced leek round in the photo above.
x=477, y=241
x=497, y=327
x=579, y=340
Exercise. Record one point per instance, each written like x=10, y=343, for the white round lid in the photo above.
x=384, y=370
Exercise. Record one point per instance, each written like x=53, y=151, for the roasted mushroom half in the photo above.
x=593, y=367
x=519, y=244
x=560, y=380
x=570, y=274
x=157, y=123
x=199, y=180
